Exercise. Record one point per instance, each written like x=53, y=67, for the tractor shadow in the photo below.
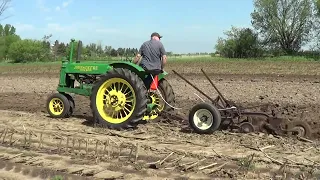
x=186, y=130
x=181, y=123
x=90, y=122
x=88, y=119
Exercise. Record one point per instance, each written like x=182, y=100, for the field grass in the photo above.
x=218, y=65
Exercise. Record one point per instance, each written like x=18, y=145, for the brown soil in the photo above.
x=22, y=110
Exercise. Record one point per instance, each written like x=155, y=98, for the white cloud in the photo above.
x=64, y=5
x=85, y=27
x=41, y=5
x=64, y=32
x=23, y=27
x=58, y=28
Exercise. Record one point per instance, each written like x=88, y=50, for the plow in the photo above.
x=121, y=97
x=223, y=114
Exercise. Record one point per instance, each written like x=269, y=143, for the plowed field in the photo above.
x=34, y=146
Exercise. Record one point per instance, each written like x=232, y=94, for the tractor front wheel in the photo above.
x=72, y=104
x=119, y=99
x=58, y=105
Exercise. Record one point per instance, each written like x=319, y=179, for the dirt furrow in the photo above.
x=53, y=148
x=156, y=143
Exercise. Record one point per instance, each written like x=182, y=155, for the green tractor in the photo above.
x=119, y=97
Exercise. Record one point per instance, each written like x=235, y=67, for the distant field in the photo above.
x=193, y=64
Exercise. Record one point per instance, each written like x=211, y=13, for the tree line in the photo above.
x=279, y=27
x=12, y=47
x=92, y=50
x=18, y=50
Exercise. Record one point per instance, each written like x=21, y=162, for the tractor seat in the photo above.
x=154, y=72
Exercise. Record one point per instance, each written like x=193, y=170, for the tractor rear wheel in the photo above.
x=58, y=105
x=167, y=94
x=118, y=99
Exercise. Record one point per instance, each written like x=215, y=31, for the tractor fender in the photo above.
x=135, y=68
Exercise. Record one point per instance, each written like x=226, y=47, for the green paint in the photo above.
x=151, y=107
x=71, y=72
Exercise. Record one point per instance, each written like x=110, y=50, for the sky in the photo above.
x=187, y=26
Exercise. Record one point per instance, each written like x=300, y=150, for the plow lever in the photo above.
x=214, y=86
x=193, y=86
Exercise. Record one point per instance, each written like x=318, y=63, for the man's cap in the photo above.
x=156, y=34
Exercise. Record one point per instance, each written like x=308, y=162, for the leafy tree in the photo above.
x=286, y=24
x=121, y=51
x=240, y=43
x=99, y=50
x=8, y=40
x=62, y=49
x=318, y=7
x=113, y=53
x=28, y=50
x=7, y=37
x=46, y=41
x=8, y=30
x=107, y=50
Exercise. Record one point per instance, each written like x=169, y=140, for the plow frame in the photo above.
x=231, y=115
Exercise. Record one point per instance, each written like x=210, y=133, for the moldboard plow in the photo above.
x=222, y=114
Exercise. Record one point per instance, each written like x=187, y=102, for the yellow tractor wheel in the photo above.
x=118, y=99
x=58, y=105
x=165, y=92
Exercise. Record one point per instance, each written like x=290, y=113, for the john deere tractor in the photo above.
x=118, y=95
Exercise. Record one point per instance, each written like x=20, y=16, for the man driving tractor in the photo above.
x=153, y=57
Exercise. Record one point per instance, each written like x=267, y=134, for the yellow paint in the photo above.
x=115, y=100
x=56, y=106
x=154, y=113
x=86, y=68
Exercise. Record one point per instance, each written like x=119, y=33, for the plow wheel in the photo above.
x=299, y=128
x=58, y=106
x=119, y=99
x=246, y=127
x=156, y=99
x=204, y=118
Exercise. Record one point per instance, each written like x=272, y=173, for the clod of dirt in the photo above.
x=108, y=175
x=17, y=168
x=26, y=171
x=74, y=170
x=2, y=165
x=88, y=172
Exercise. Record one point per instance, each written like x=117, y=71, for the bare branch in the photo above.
x=4, y=5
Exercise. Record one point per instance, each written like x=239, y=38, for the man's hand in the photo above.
x=137, y=58
x=164, y=60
